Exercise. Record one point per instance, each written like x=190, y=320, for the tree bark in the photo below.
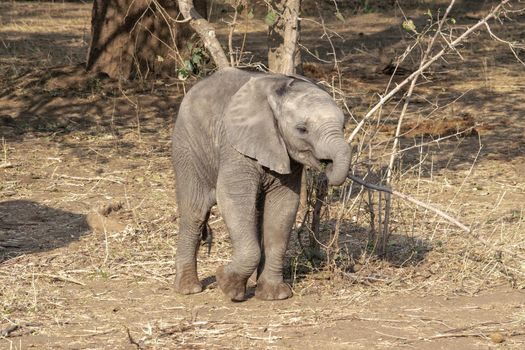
x=136, y=38
x=206, y=32
x=284, y=55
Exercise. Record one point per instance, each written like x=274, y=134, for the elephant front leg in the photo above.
x=280, y=209
x=237, y=203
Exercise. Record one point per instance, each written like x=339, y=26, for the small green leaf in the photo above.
x=453, y=20
x=250, y=14
x=183, y=74
x=339, y=16
x=409, y=26
x=188, y=65
x=196, y=59
x=429, y=13
x=270, y=18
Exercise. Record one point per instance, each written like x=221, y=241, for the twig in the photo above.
x=61, y=278
x=166, y=14
x=512, y=45
x=410, y=199
x=4, y=333
x=392, y=336
x=455, y=335
x=232, y=26
x=270, y=338
x=410, y=91
x=307, y=50
x=434, y=58
x=325, y=33
x=94, y=334
x=96, y=178
x=369, y=278
x=133, y=341
x=444, y=215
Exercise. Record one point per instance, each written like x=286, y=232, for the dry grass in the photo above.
x=67, y=284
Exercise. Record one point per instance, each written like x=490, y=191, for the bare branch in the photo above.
x=206, y=32
x=512, y=45
x=411, y=90
x=492, y=14
x=232, y=26
x=427, y=206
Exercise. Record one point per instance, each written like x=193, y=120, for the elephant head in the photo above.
x=274, y=117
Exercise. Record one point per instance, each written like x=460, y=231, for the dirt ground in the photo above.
x=88, y=222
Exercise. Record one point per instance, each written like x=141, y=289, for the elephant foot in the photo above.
x=272, y=291
x=231, y=284
x=186, y=283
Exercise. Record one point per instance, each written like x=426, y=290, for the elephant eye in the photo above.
x=302, y=129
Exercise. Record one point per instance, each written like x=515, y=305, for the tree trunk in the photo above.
x=137, y=38
x=284, y=55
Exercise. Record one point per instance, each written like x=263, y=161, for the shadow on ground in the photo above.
x=64, y=100
x=355, y=242
x=29, y=227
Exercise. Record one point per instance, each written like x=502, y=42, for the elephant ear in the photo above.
x=302, y=78
x=251, y=125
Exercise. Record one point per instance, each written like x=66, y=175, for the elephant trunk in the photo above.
x=337, y=171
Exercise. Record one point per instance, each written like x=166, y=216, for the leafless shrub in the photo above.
x=438, y=41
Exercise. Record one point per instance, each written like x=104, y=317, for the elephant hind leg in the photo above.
x=186, y=278
x=194, y=204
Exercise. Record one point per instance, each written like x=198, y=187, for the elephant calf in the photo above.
x=241, y=140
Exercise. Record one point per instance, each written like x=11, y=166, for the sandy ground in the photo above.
x=88, y=222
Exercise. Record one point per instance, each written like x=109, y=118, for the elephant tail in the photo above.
x=207, y=236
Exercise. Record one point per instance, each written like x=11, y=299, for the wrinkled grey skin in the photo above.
x=240, y=140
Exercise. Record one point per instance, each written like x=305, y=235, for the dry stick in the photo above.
x=321, y=192
x=419, y=145
x=434, y=58
x=325, y=33
x=335, y=238
x=61, y=278
x=410, y=199
x=4, y=333
x=132, y=341
x=395, y=145
x=167, y=18
x=410, y=91
x=456, y=335
x=232, y=25
x=444, y=215
x=96, y=178
x=512, y=45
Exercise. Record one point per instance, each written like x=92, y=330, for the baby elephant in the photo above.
x=241, y=140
